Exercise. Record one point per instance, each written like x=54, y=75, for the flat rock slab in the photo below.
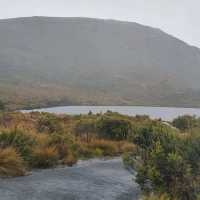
x=88, y=180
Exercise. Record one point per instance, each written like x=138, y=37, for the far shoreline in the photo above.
x=154, y=112
x=87, y=105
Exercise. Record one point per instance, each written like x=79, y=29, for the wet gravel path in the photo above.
x=88, y=180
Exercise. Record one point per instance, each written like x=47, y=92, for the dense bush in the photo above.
x=185, y=122
x=113, y=128
x=166, y=162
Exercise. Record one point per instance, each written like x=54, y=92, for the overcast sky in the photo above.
x=180, y=18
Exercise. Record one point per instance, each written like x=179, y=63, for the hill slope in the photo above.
x=46, y=61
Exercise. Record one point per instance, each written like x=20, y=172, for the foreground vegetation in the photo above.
x=43, y=140
x=167, y=160
x=166, y=156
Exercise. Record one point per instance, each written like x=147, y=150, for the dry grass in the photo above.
x=44, y=157
x=107, y=147
x=11, y=164
x=100, y=147
x=42, y=140
x=126, y=147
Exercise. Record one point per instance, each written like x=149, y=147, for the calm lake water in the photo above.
x=166, y=113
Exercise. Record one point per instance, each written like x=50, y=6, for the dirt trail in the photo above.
x=88, y=180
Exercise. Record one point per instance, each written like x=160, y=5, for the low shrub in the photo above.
x=126, y=147
x=19, y=140
x=108, y=148
x=98, y=152
x=44, y=157
x=63, y=144
x=11, y=164
x=84, y=151
x=113, y=128
x=88, y=150
x=70, y=160
x=127, y=160
x=49, y=123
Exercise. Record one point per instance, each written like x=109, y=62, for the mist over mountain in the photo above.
x=54, y=61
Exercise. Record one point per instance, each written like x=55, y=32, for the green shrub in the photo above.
x=185, y=122
x=127, y=160
x=113, y=128
x=166, y=162
x=98, y=152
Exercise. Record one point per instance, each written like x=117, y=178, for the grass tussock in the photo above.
x=11, y=164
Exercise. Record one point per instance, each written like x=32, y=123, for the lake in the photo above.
x=166, y=113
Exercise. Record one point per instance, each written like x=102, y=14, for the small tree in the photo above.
x=185, y=122
x=84, y=128
x=113, y=128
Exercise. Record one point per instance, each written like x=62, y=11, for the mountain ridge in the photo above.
x=95, y=19
x=95, y=61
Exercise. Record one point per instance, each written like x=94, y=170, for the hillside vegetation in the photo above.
x=63, y=61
